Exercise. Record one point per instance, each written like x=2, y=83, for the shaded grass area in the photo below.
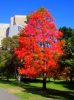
x=32, y=89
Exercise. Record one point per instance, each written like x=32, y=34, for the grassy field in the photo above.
x=56, y=90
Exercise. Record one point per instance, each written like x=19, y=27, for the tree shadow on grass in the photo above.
x=66, y=84
x=48, y=93
x=51, y=93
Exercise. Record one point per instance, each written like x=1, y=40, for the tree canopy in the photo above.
x=8, y=60
x=68, y=58
x=39, y=45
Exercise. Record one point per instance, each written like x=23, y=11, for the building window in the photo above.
x=19, y=28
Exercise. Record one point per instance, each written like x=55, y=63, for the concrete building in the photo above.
x=4, y=31
x=16, y=24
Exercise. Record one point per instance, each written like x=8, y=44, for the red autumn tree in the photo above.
x=39, y=46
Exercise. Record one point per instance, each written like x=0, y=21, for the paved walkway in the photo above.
x=4, y=95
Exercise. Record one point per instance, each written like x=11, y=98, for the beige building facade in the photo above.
x=4, y=31
x=16, y=24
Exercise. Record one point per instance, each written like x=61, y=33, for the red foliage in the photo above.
x=39, y=45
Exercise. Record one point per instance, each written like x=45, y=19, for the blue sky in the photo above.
x=62, y=10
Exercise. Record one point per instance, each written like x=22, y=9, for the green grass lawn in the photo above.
x=33, y=90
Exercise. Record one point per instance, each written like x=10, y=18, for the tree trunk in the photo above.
x=44, y=81
x=19, y=78
x=7, y=78
x=15, y=72
x=71, y=76
x=71, y=79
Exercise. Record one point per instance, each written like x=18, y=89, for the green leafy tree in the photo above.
x=67, y=32
x=8, y=61
x=68, y=59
